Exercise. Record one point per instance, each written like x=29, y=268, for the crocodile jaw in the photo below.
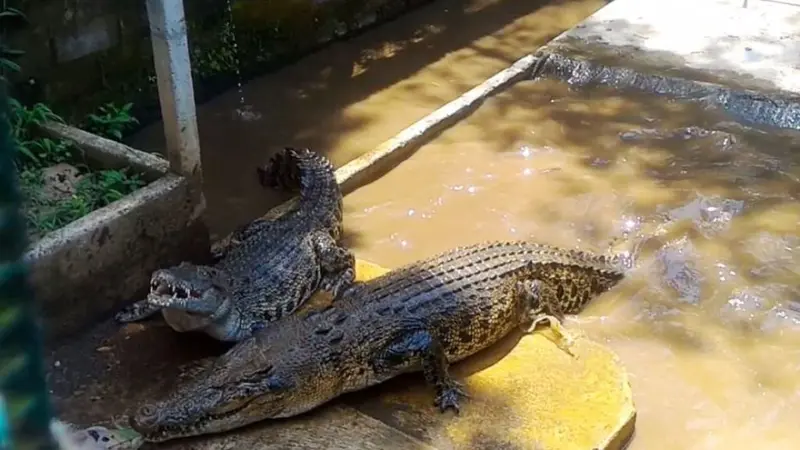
x=192, y=290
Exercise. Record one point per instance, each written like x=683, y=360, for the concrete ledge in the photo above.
x=744, y=61
x=107, y=154
x=369, y=166
x=95, y=265
x=756, y=48
x=744, y=106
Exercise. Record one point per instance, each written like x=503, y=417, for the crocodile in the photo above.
x=270, y=268
x=421, y=317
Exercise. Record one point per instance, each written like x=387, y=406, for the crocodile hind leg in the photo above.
x=338, y=264
x=421, y=347
x=138, y=311
x=543, y=307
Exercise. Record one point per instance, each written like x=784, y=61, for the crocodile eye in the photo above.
x=277, y=383
x=147, y=414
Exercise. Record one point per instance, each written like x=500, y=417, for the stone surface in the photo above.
x=59, y=181
x=757, y=46
x=94, y=36
x=331, y=427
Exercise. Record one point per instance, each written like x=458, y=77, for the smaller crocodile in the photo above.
x=270, y=268
x=422, y=317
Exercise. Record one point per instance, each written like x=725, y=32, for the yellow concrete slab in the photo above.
x=526, y=392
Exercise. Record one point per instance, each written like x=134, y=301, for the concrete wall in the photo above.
x=97, y=264
x=83, y=53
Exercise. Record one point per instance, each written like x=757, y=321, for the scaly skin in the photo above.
x=424, y=316
x=271, y=267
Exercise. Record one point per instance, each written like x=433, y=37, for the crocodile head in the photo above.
x=270, y=375
x=196, y=290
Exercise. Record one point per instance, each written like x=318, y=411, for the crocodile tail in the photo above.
x=306, y=171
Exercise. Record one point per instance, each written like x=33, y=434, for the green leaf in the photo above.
x=11, y=66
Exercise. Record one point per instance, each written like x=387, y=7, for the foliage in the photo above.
x=94, y=189
x=8, y=54
x=36, y=152
x=45, y=211
x=111, y=121
x=216, y=53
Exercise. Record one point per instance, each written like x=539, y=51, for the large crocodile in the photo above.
x=270, y=268
x=424, y=316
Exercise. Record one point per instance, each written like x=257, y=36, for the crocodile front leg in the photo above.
x=543, y=307
x=338, y=264
x=138, y=311
x=424, y=348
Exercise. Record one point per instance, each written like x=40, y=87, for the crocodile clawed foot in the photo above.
x=338, y=283
x=449, y=396
x=136, y=312
x=565, y=340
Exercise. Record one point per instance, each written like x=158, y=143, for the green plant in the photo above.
x=36, y=151
x=93, y=191
x=108, y=186
x=216, y=53
x=47, y=209
x=8, y=54
x=111, y=121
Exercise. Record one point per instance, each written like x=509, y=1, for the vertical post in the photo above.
x=175, y=89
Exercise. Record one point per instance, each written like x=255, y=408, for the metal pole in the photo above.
x=175, y=89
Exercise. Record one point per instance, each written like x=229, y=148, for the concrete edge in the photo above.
x=743, y=105
x=626, y=427
x=380, y=424
x=371, y=165
x=723, y=41
x=106, y=153
x=85, y=226
x=96, y=264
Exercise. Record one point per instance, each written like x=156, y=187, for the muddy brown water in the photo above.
x=708, y=325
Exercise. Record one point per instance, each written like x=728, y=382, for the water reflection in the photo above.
x=709, y=326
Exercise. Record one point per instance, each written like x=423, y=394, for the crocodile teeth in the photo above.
x=161, y=289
